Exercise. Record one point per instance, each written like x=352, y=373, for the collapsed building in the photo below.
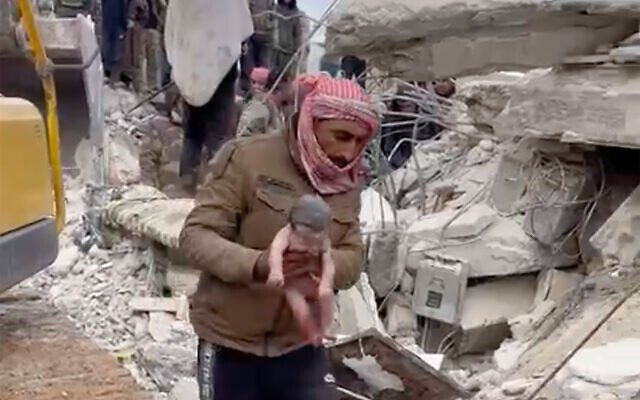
x=490, y=254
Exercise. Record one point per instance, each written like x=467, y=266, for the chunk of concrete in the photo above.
x=67, y=258
x=613, y=364
x=502, y=249
x=515, y=387
x=185, y=389
x=160, y=326
x=451, y=224
x=618, y=240
x=488, y=307
x=594, y=105
x=421, y=40
x=401, y=320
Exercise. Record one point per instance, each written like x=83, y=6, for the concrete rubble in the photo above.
x=422, y=40
x=489, y=254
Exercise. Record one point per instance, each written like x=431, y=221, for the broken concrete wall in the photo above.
x=593, y=105
x=421, y=40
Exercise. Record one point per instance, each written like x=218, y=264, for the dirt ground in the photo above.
x=43, y=357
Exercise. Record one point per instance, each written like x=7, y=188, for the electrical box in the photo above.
x=439, y=290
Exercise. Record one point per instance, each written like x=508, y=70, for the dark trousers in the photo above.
x=225, y=374
x=258, y=54
x=208, y=127
x=112, y=45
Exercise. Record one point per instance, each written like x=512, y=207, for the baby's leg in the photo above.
x=303, y=317
x=325, y=291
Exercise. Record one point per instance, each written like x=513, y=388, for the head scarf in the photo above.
x=323, y=98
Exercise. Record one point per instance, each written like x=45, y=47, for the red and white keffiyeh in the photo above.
x=329, y=98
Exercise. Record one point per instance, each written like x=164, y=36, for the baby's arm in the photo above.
x=276, y=256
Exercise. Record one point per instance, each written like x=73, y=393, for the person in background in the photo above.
x=354, y=68
x=143, y=20
x=263, y=113
x=203, y=39
x=397, y=141
x=249, y=344
x=258, y=49
x=289, y=35
x=114, y=29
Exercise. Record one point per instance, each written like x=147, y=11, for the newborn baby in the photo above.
x=307, y=231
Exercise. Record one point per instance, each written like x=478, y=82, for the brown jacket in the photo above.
x=244, y=203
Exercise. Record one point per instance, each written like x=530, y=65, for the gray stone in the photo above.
x=185, y=389
x=67, y=259
x=626, y=54
x=168, y=363
x=420, y=40
x=401, y=320
x=613, y=364
x=515, y=387
x=487, y=145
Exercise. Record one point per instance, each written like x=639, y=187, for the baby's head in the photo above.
x=311, y=214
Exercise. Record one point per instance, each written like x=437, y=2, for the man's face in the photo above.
x=444, y=87
x=342, y=141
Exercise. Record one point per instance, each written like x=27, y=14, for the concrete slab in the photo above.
x=594, y=105
x=420, y=40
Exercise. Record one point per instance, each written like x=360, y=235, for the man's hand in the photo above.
x=295, y=265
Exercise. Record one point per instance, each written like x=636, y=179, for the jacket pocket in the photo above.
x=266, y=216
x=344, y=216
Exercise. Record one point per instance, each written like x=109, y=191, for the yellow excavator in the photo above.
x=49, y=68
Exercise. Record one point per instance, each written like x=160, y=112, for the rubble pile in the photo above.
x=489, y=254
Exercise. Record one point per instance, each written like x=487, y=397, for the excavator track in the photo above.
x=43, y=357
